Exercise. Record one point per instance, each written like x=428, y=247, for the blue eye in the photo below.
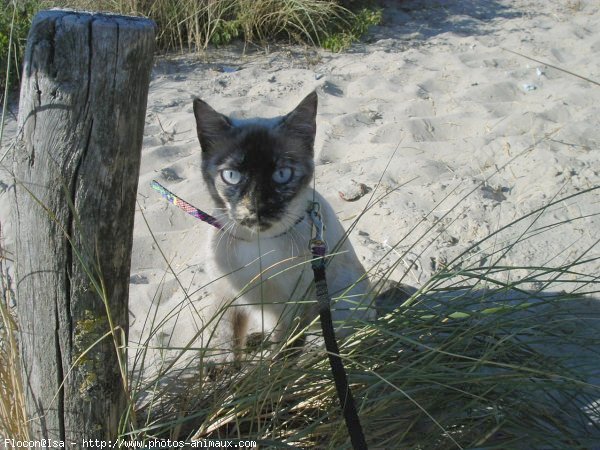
x=283, y=175
x=231, y=176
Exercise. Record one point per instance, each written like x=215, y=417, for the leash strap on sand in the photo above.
x=318, y=247
x=187, y=207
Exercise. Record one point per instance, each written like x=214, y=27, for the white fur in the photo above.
x=265, y=275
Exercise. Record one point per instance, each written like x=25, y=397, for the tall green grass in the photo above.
x=188, y=25
x=195, y=24
x=15, y=19
x=13, y=417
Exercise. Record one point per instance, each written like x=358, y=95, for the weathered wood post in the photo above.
x=81, y=120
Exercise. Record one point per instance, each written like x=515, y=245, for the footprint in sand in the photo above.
x=332, y=89
x=170, y=174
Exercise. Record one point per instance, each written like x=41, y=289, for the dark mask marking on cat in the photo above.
x=254, y=168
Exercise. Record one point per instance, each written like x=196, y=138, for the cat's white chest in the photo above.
x=267, y=273
x=270, y=279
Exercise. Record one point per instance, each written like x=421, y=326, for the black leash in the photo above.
x=318, y=247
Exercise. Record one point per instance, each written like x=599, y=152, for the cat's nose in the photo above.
x=248, y=205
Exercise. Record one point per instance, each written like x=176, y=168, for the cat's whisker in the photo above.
x=230, y=244
x=225, y=232
x=222, y=217
x=234, y=228
x=294, y=244
x=293, y=233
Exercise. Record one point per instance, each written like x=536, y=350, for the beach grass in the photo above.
x=13, y=418
x=475, y=358
x=483, y=355
x=192, y=25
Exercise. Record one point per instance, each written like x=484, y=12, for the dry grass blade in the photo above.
x=13, y=418
x=561, y=69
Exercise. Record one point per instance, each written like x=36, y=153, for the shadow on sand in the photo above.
x=420, y=20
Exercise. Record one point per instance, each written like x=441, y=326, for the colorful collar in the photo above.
x=198, y=213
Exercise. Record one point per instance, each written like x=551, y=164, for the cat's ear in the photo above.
x=302, y=121
x=210, y=124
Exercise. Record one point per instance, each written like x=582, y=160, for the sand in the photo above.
x=435, y=109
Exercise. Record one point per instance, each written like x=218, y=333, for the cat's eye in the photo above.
x=231, y=176
x=283, y=175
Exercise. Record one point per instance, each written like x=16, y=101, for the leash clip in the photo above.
x=317, y=245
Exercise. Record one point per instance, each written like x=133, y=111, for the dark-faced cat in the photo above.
x=259, y=173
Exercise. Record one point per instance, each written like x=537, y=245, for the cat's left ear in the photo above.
x=302, y=121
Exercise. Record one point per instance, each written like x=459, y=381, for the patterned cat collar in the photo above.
x=187, y=207
x=197, y=213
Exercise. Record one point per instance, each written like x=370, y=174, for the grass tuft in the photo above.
x=196, y=24
x=15, y=20
x=357, y=26
x=185, y=25
x=13, y=418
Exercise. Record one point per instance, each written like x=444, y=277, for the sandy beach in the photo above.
x=435, y=108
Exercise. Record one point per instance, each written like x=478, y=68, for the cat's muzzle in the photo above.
x=255, y=222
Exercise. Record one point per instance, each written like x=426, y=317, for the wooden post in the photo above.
x=81, y=121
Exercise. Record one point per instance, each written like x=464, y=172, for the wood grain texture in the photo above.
x=82, y=109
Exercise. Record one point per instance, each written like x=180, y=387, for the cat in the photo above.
x=259, y=173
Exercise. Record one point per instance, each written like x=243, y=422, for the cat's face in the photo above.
x=257, y=169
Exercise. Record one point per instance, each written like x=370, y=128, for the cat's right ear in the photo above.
x=210, y=124
x=302, y=120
